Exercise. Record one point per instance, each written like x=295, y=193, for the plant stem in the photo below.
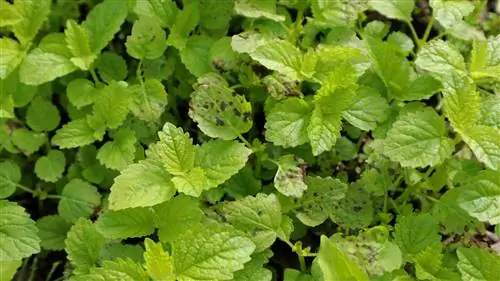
x=94, y=77
x=57, y=197
x=52, y=270
x=302, y=263
x=427, y=30
x=414, y=35
x=33, y=269
x=244, y=141
x=25, y=188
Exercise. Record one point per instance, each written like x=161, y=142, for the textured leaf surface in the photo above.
x=159, y=264
x=418, y=139
x=79, y=198
x=120, y=152
x=10, y=176
x=477, y=264
x=485, y=143
x=18, y=233
x=52, y=231
x=133, y=222
x=289, y=179
x=286, y=123
x=141, y=184
x=395, y=9
x=227, y=253
x=414, y=233
x=73, y=134
x=51, y=167
x=84, y=243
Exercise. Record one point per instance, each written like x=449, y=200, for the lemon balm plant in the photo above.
x=249, y=140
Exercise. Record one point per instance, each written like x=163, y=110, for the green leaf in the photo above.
x=195, y=55
x=254, y=270
x=11, y=55
x=111, y=67
x=477, y=264
x=74, y=134
x=227, y=252
x=81, y=92
x=219, y=111
x=367, y=109
x=113, y=251
x=18, y=233
x=336, y=265
x=148, y=100
x=118, y=269
x=42, y=116
x=451, y=215
x=148, y=40
x=141, y=184
x=481, y=197
x=112, y=105
x=10, y=16
x=421, y=88
x=286, y=123
x=159, y=264
x=353, y=211
x=315, y=206
x=9, y=268
x=257, y=9
x=336, y=13
x=485, y=143
x=10, y=176
x=185, y=21
x=490, y=111
x=127, y=223
x=51, y=60
x=78, y=41
x=84, y=243
x=79, y=199
x=175, y=149
x=242, y=184
x=414, y=233
x=289, y=179
x=50, y=168
x=221, y=159
x=52, y=231
x=175, y=216
x=283, y=57
x=259, y=217
x=429, y=265
x=163, y=12
x=418, y=139
x=394, y=9
x=462, y=105
x=295, y=275
x=27, y=141
x=33, y=13
x=110, y=14
x=215, y=15
x=451, y=13
x=441, y=59
x=120, y=152
x=192, y=182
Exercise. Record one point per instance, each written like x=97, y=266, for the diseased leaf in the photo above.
x=148, y=40
x=289, y=179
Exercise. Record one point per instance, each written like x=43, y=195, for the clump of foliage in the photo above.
x=249, y=140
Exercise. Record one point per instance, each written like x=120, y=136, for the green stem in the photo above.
x=33, y=268
x=25, y=188
x=138, y=73
x=57, y=197
x=52, y=270
x=414, y=35
x=427, y=31
x=244, y=141
x=302, y=263
x=97, y=82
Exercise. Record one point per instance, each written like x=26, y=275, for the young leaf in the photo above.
x=175, y=216
x=18, y=233
x=185, y=21
x=219, y=252
x=78, y=41
x=127, y=223
x=462, y=105
x=120, y=152
x=33, y=13
x=175, y=150
x=287, y=121
x=10, y=176
x=52, y=231
x=259, y=217
x=110, y=14
x=50, y=60
x=11, y=55
x=81, y=92
x=477, y=264
x=79, y=199
x=289, y=179
x=159, y=264
x=148, y=40
x=112, y=105
x=50, y=168
x=84, y=243
x=10, y=15
x=394, y=9
x=141, y=184
x=218, y=110
x=74, y=134
x=42, y=115
x=481, y=197
x=417, y=139
x=336, y=265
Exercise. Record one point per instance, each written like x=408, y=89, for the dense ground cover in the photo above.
x=249, y=140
